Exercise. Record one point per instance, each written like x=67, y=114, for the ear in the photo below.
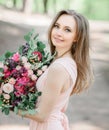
x=75, y=41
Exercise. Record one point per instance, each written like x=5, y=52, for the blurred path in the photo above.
x=87, y=111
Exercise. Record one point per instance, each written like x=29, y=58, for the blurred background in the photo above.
x=90, y=109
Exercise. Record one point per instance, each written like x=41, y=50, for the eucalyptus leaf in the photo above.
x=1, y=69
x=6, y=110
x=15, y=109
x=31, y=112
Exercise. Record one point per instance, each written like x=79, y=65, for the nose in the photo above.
x=59, y=32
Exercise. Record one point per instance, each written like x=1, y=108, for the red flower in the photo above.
x=7, y=73
x=38, y=54
x=23, y=80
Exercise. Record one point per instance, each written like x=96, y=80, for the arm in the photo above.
x=56, y=79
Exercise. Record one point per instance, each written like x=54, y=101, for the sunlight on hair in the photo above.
x=84, y=126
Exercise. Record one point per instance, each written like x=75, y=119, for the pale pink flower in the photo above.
x=5, y=68
x=8, y=88
x=30, y=72
x=24, y=59
x=16, y=57
x=6, y=96
x=44, y=67
x=18, y=67
x=12, y=81
x=33, y=77
x=1, y=64
x=27, y=65
x=39, y=72
x=0, y=91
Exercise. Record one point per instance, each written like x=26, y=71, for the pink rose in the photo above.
x=33, y=77
x=16, y=57
x=12, y=81
x=5, y=68
x=39, y=72
x=6, y=96
x=23, y=81
x=30, y=72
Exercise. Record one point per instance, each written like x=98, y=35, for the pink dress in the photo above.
x=57, y=119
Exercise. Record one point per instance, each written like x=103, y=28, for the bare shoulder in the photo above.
x=57, y=71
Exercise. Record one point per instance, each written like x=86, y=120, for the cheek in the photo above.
x=70, y=39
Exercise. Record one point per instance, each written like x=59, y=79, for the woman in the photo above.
x=69, y=73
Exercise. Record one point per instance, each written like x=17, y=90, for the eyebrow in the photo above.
x=65, y=26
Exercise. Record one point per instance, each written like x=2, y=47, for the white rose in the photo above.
x=8, y=88
x=27, y=65
x=1, y=64
x=18, y=67
x=24, y=59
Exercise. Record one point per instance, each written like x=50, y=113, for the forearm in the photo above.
x=36, y=117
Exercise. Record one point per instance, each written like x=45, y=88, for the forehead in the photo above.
x=66, y=20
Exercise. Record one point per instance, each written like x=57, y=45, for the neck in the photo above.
x=62, y=53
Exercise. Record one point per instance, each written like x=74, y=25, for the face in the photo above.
x=64, y=31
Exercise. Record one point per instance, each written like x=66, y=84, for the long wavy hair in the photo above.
x=79, y=50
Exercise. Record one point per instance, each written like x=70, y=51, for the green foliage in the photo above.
x=28, y=102
x=6, y=55
x=93, y=9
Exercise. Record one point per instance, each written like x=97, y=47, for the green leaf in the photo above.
x=32, y=112
x=1, y=69
x=39, y=93
x=20, y=50
x=15, y=109
x=8, y=54
x=27, y=37
x=6, y=111
x=1, y=103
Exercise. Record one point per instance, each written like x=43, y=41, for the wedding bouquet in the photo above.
x=19, y=72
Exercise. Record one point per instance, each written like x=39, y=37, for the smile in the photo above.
x=58, y=39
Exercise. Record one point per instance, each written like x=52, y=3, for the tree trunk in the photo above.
x=14, y=3
x=45, y=5
x=27, y=6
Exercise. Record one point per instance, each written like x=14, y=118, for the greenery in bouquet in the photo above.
x=19, y=72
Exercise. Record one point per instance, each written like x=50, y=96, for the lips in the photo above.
x=58, y=39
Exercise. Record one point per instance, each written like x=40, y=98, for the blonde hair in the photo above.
x=79, y=50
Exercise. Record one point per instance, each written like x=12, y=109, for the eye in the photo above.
x=56, y=26
x=67, y=30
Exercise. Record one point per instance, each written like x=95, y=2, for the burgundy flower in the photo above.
x=7, y=73
x=38, y=54
x=20, y=90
